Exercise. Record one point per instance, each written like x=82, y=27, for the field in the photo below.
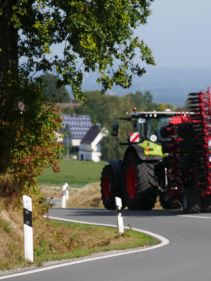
x=74, y=172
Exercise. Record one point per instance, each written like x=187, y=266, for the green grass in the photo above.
x=83, y=240
x=55, y=240
x=74, y=172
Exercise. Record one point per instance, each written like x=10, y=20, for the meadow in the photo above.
x=74, y=172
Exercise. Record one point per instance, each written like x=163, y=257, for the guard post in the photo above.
x=28, y=229
x=64, y=195
x=67, y=190
x=120, y=223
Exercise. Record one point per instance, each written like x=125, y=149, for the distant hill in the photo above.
x=167, y=85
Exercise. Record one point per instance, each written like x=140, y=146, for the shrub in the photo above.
x=27, y=129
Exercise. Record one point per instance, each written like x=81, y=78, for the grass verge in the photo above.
x=55, y=240
x=79, y=240
x=74, y=172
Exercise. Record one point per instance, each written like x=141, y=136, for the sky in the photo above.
x=179, y=33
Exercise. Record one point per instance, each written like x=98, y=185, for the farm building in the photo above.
x=75, y=128
x=90, y=145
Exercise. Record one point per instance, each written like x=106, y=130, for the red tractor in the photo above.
x=168, y=155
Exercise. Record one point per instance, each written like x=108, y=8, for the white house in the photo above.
x=75, y=128
x=90, y=145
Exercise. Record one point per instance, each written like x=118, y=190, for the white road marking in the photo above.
x=164, y=242
x=195, y=217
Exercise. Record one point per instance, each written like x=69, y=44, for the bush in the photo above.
x=27, y=129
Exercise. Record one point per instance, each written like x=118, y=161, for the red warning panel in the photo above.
x=134, y=137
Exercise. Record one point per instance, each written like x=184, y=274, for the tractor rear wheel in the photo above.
x=139, y=183
x=107, y=188
x=111, y=184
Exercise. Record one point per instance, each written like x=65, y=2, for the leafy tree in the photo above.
x=52, y=92
x=97, y=36
x=104, y=108
x=27, y=137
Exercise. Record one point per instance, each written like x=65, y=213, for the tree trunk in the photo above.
x=8, y=41
x=8, y=69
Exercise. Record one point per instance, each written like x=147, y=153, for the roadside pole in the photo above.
x=120, y=223
x=65, y=195
x=67, y=191
x=28, y=229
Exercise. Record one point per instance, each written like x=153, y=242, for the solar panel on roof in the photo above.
x=78, y=125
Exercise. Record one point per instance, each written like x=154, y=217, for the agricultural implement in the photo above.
x=168, y=155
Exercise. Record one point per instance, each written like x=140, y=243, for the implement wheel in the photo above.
x=191, y=202
x=167, y=201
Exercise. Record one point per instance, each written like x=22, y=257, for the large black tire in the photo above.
x=107, y=188
x=140, y=190
x=111, y=184
x=206, y=204
x=191, y=201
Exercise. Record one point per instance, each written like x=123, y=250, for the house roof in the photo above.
x=78, y=125
x=91, y=135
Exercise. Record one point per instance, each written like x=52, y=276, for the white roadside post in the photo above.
x=64, y=195
x=28, y=230
x=120, y=223
x=67, y=191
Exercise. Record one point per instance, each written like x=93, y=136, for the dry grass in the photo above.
x=11, y=234
x=90, y=197
x=86, y=197
x=51, y=191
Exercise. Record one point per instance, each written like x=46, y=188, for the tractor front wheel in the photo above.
x=139, y=183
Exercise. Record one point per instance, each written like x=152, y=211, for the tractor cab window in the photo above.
x=163, y=122
x=141, y=127
x=149, y=128
x=153, y=128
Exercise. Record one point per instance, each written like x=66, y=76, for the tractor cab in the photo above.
x=149, y=127
x=146, y=124
x=145, y=131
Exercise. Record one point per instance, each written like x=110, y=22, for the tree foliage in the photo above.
x=52, y=92
x=28, y=144
x=96, y=36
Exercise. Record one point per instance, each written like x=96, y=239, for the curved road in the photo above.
x=186, y=258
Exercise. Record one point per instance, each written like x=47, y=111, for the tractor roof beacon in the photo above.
x=168, y=155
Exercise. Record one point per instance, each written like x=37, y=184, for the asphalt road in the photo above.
x=186, y=258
